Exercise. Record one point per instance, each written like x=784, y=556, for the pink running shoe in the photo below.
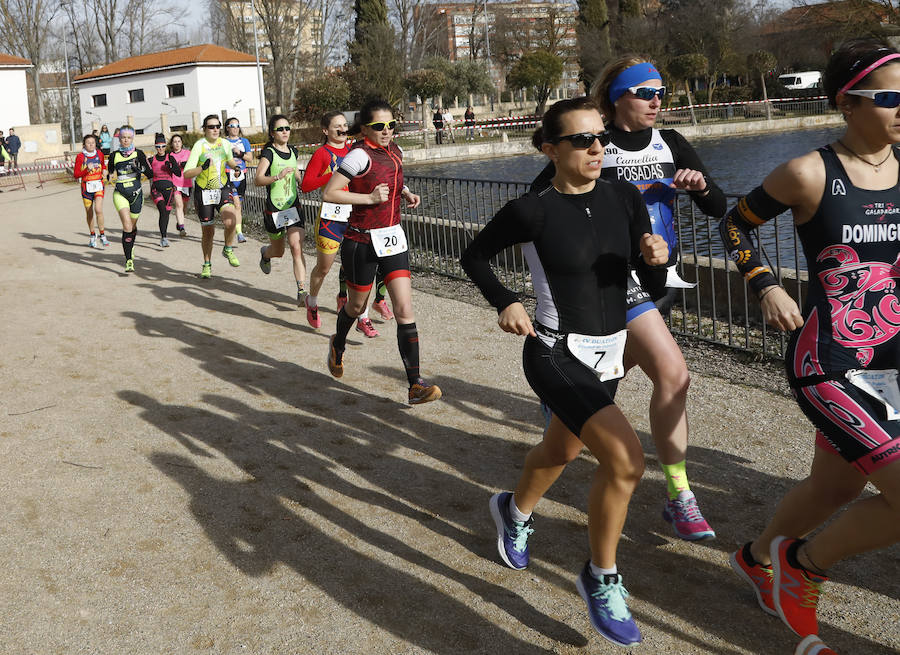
x=759, y=577
x=341, y=301
x=383, y=310
x=686, y=519
x=795, y=593
x=312, y=315
x=365, y=326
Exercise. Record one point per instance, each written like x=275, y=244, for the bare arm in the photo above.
x=333, y=192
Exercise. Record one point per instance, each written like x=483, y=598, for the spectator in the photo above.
x=469, y=122
x=448, y=125
x=105, y=140
x=13, y=145
x=438, y=121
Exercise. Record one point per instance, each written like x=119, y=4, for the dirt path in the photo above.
x=180, y=473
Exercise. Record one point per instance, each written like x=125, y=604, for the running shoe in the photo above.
x=312, y=316
x=341, y=301
x=512, y=536
x=383, y=310
x=129, y=266
x=206, y=271
x=687, y=521
x=335, y=359
x=605, y=601
x=241, y=238
x=795, y=593
x=93, y=242
x=265, y=265
x=104, y=240
x=182, y=231
x=301, y=297
x=423, y=392
x=228, y=254
x=759, y=577
x=812, y=645
x=365, y=326
x=164, y=243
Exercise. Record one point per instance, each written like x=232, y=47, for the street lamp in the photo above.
x=259, y=75
x=487, y=47
x=69, y=92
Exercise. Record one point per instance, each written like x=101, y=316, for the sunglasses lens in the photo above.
x=213, y=127
x=887, y=99
x=605, y=138
x=582, y=140
x=283, y=128
x=647, y=92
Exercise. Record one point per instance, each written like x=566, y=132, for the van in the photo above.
x=804, y=80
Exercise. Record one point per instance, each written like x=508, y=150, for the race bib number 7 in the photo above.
x=881, y=385
x=603, y=354
x=389, y=241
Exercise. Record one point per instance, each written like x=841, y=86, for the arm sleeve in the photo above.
x=713, y=203
x=145, y=165
x=356, y=163
x=316, y=173
x=511, y=225
x=79, y=166
x=652, y=278
x=110, y=166
x=752, y=210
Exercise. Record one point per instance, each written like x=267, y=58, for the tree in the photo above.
x=685, y=68
x=320, y=95
x=23, y=24
x=375, y=68
x=759, y=63
x=539, y=71
x=593, y=40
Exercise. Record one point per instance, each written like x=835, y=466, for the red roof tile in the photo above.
x=198, y=54
x=9, y=60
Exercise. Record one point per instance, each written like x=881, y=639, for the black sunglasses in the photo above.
x=584, y=140
x=212, y=127
x=379, y=126
x=283, y=128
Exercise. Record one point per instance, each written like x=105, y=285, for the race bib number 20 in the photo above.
x=389, y=241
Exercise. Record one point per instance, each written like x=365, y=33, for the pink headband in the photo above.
x=865, y=71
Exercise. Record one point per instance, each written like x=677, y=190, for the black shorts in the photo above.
x=207, y=213
x=278, y=232
x=240, y=187
x=361, y=264
x=572, y=391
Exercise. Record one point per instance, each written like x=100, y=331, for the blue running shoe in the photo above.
x=512, y=536
x=606, y=606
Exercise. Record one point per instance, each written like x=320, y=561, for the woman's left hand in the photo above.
x=654, y=249
x=412, y=200
x=689, y=180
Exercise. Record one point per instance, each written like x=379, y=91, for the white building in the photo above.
x=171, y=91
x=14, y=108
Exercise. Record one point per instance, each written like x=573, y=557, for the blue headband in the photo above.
x=630, y=77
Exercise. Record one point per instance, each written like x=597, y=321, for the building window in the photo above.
x=139, y=131
x=136, y=95
x=178, y=128
x=175, y=90
x=100, y=100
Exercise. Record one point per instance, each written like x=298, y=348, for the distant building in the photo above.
x=14, y=108
x=171, y=91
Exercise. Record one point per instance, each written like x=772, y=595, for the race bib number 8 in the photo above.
x=286, y=218
x=881, y=385
x=603, y=353
x=211, y=196
x=389, y=241
x=94, y=186
x=332, y=211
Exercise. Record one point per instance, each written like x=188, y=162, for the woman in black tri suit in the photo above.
x=580, y=235
x=844, y=352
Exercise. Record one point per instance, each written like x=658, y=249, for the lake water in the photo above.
x=736, y=163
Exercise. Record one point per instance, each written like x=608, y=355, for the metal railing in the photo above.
x=718, y=309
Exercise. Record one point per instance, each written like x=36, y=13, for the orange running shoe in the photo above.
x=423, y=392
x=812, y=645
x=795, y=593
x=759, y=577
x=335, y=359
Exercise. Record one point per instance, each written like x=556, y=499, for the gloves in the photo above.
x=173, y=166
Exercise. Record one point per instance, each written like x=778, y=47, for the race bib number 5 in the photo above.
x=389, y=241
x=211, y=196
x=603, y=354
x=881, y=385
x=332, y=211
x=286, y=218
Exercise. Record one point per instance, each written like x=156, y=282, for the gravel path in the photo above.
x=181, y=474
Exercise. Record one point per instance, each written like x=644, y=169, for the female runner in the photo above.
x=331, y=225
x=240, y=146
x=162, y=191
x=90, y=168
x=657, y=162
x=182, y=184
x=375, y=238
x=573, y=355
x=128, y=164
x=843, y=355
x=283, y=217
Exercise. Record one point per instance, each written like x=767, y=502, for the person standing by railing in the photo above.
x=105, y=141
x=580, y=235
x=438, y=121
x=13, y=145
x=844, y=350
x=373, y=170
x=240, y=147
x=657, y=162
x=469, y=120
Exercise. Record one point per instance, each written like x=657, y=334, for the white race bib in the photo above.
x=211, y=196
x=93, y=186
x=334, y=212
x=389, y=241
x=674, y=281
x=603, y=353
x=235, y=175
x=881, y=385
x=286, y=218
